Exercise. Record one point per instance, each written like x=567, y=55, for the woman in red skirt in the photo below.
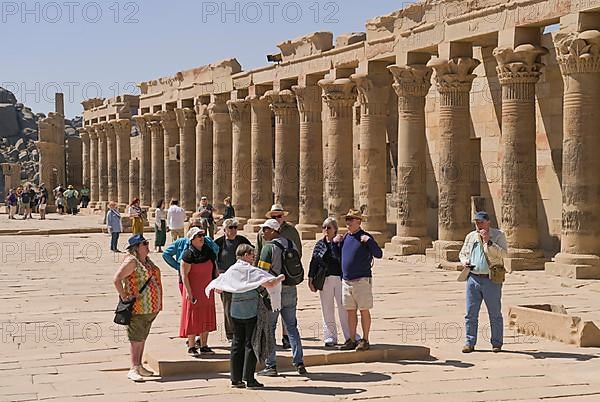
x=198, y=315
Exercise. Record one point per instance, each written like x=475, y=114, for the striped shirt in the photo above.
x=150, y=301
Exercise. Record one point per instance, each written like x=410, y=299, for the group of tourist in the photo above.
x=28, y=199
x=256, y=286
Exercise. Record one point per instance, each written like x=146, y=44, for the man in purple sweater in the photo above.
x=356, y=250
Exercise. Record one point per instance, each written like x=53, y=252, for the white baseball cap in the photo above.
x=271, y=224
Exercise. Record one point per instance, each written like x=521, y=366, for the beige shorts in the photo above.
x=357, y=294
x=139, y=327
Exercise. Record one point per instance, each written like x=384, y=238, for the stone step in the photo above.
x=167, y=362
x=573, y=271
x=524, y=264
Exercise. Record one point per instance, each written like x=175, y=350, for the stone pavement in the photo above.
x=59, y=343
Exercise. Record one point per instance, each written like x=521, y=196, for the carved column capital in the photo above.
x=373, y=92
x=84, y=134
x=339, y=95
x=93, y=133
x=101, y=131
x=309, y=102
x=168, y=119
x=111, y=130
x=202, y=115
x=454, y=75
x=283, y=104
x=186, y=117
x=123, y=128
x=218, y=110
x=411, y=80
x=578, y=52
x=519, y=65
x=238, y=110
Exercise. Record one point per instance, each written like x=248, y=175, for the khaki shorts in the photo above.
x=139, y=327
x=357, y=294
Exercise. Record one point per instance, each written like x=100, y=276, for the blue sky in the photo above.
x=102, y=48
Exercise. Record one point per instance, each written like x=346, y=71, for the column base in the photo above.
x=444, y=254
x=309, y=232
x=520, y=259
x=576, y=266
x=407, y=245
x=253, y=225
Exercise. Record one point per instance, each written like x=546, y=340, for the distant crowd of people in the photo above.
x=28, y=199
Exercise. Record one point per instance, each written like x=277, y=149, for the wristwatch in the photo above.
x=490, y=243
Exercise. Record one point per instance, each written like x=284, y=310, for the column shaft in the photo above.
x=262, y=165
x=158, y=154
x=518, y=72
x=145, y=143
x=219, y=114
x=340, y=96
x=579, y=63
x=134, y=178
x=287, y=148
x=204, y=153
x=94, y=174
x=85, y=155
x=102, y=163
x=311, y=160
x=186, y=120
x=411, y=84
x=373, y=95
x=123, y=132
x=454, y=79
x=171, y=169
x=241, y=162
x=111, y=146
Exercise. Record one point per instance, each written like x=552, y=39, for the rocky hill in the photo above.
x=19, y=131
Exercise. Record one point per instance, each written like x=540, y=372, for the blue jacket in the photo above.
x=172, y=254
x=113, y=221
x=357, y=257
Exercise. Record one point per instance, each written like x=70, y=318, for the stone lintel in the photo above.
x=315, y=43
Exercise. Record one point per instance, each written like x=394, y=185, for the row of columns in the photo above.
x=106, y=151
x=233, y=140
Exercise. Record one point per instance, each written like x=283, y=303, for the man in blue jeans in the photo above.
x=271, y=260
x=484, y=240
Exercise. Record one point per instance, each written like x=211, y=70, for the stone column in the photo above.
x=241, y=163
x=340, y=95
x=287, y=148
x=373, y=94
x=158, y=154
x=123, y=132
x=102, y=163
x=94, y=171
x=85, y=154
x=411, y=83
x=219, y=114
x=311, y=160
x=579, y=61
x=262, y=165
x=453, y=80
x=111, y=146
x=134, y=178
x=145, y=190
x=518, y=71
x=171, y=138
x=186, y=120
x=204, y=153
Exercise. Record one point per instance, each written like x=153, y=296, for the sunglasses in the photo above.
x=276, y=216
x=232, y=227
x=145, y=242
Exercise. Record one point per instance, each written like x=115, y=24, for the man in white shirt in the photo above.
x=175, y=220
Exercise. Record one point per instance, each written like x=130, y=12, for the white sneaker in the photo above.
x=145, y=372
x=134, y=375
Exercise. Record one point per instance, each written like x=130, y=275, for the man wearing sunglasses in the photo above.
x=228, y=244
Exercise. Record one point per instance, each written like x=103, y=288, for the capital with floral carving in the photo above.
x=454, y=75
x=411, y=80
x=578, y=52
x=521, y=64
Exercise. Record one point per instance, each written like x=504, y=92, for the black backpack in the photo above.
x=291, y=264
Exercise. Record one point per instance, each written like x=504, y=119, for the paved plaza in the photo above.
x=59, y=343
